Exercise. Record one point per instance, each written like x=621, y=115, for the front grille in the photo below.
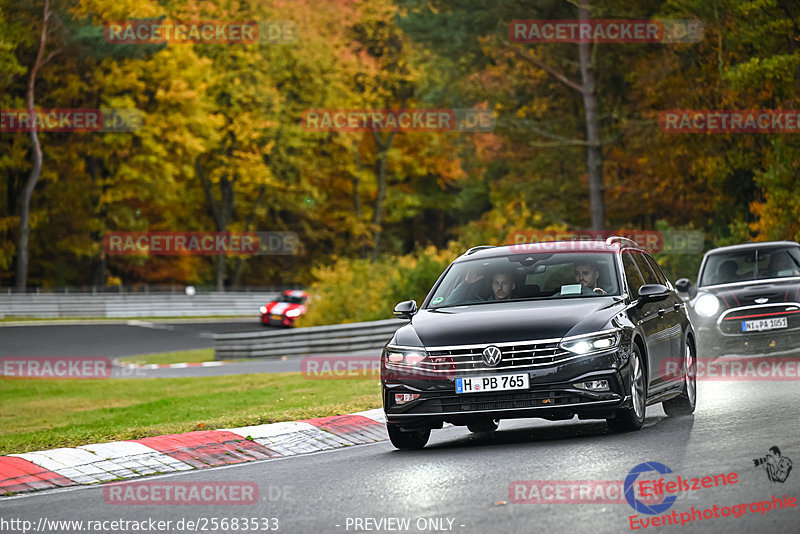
x=501, y=401
x=730, y=322
x=470, y=359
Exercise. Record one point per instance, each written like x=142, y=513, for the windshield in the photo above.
x=753, y=264
x=527, y=277
x=291, y=299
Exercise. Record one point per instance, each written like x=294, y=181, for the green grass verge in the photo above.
x=45, y=414
x=181, y=356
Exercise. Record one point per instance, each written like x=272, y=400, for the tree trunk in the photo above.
x=380, y=175
x=36, y=154
x=239, y=262
x=594, y=155
x=99, y=182
x=221, y=212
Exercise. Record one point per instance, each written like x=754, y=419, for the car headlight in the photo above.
x=409, y=357
x=263, y=309
x=707, y=305
x=294, y=312
x=594, y=343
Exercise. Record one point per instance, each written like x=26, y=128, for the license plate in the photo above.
x=478, y=384
x=277, y=318
x=764, y=324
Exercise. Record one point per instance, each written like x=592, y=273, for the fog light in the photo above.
x=593, y=385
x=403, y=398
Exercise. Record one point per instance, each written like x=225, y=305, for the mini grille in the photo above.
x=731, y=323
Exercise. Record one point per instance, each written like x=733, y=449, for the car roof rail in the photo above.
x=476, y=249
x=622, y=240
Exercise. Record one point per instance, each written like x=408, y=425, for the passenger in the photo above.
x=726, y=272
x=586, y=274
x=467, y=289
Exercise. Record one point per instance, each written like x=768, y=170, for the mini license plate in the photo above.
x=764, y=324
x=477, y=384
x=277, y=317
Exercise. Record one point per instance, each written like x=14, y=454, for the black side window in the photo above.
x=660, y=276
x=631, y=275
x=647, y=271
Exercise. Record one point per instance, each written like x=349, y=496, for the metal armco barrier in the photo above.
x=320, y=340
x=109, y=305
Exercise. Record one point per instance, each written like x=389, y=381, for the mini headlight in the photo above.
x=707, y=305
x=294, y=312
x=263, y=309
x=590, y=344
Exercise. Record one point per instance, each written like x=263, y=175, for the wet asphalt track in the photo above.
x=123, y=339
x=136, y=337
x=460, y=482
x=466, y=479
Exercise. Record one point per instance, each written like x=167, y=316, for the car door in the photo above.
x=658, y=329
x=672, y=313
x=642, y=316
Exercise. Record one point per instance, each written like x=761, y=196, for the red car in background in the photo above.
x=291, y=304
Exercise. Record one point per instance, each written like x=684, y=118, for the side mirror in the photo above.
x=653, y=293
x=405, y=309
x=685, y=286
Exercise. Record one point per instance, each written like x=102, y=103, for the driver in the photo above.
x=586, y=274
x=503, y=285
x=781, y=264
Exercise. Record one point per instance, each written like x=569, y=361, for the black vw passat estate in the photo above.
x=550, y=330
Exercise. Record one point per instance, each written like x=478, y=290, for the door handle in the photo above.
x=661, y=312
x=677, y=306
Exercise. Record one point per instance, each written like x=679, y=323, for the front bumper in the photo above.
x=551, y=394
x=283, y=321
x=711, y=344
x=722, y=334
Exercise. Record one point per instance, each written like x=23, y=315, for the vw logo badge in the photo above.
x=492, y=356
x=762, y=300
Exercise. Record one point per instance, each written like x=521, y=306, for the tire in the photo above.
x=485, y=426
x=632, y=418
x=685, y=403
x=415, y=439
